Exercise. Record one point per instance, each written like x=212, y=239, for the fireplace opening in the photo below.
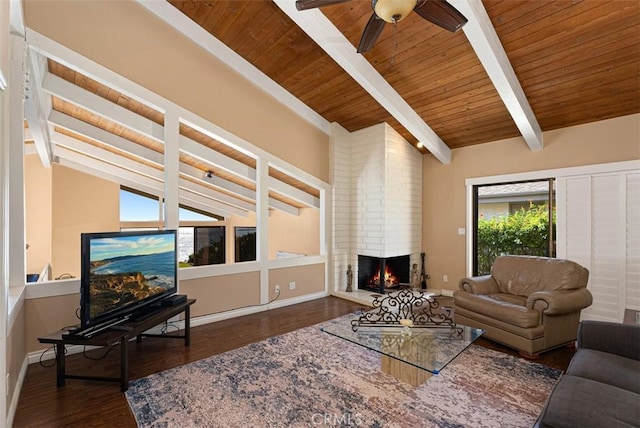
x=395, y=272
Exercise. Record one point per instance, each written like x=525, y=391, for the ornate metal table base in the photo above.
x=415, y=305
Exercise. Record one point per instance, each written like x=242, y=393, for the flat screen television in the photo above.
x=122, y=272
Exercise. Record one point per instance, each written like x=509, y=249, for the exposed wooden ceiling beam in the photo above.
x=330, y=39
x=485, y=42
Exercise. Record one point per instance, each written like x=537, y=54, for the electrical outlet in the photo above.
x=292, y=285
x=445, y=278
x=277, y=288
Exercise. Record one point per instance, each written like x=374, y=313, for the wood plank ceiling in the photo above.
x=577, y=62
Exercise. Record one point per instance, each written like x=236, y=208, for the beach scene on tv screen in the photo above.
x=127, y=269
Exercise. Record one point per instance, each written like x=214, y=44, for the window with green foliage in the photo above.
x=523, y=231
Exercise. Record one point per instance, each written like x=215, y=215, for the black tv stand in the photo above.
x=145, y=312
x=119, y=334
x=95, y=329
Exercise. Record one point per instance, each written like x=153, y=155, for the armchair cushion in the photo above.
x=512, y=313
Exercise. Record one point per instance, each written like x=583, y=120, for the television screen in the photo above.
x=121, y=271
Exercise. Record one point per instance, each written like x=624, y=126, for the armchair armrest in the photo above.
x=560, y=302
x=613, y=338
x=479, y=285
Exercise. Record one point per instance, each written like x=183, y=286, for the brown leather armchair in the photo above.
x=531, y=304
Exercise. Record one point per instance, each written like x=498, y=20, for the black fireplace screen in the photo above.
x=396, y=272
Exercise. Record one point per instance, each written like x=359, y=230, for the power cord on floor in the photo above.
x=41, y=361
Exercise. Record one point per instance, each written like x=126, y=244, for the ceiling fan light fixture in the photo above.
x=393, y=11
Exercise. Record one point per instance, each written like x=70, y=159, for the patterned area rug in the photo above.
x=310, y=378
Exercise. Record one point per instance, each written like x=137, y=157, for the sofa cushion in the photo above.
x=523, y=275
x=510, y=298
x=580, y=402
x=487, y=304
x=612, y=369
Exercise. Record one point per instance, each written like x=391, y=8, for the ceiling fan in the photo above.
x=438, y=12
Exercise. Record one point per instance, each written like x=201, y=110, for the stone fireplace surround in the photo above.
x=377, y=199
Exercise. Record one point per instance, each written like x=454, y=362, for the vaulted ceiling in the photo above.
x=516, y=69
x=576, y=62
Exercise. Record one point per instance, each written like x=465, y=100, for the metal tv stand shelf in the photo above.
x=119, y=335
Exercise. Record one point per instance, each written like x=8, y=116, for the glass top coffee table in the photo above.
x=410, y=354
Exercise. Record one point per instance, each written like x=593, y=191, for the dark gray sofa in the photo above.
x=601, y=387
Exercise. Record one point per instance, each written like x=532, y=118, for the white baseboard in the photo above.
x=207, y=319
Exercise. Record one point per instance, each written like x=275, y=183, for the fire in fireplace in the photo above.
x=396, y=272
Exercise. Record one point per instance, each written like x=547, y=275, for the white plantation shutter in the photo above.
x=599, y=227
x=633, y=241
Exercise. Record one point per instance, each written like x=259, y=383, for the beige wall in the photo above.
x=81, y=203
x=444, y=191
x=46, y=315
x=124, y=37
x=293, y=234
x=38, y=212
x=309, y=279
x=222, y=293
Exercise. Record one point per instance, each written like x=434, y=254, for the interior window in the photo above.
x=245, y=244
x=208, y=245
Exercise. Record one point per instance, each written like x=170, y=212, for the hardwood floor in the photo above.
x=99, y=404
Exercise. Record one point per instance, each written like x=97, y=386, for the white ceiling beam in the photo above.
x=94, y=133
x=102, y=107
x=235, y=188
x=114, y=173
x=293, y=193
x=485, y=42
x=176, y=19
x=113, y=112
x=212, y=157
x=138, y=168
x=216, y=181
x=330, y=39
x=197, y=201
x=37, y=106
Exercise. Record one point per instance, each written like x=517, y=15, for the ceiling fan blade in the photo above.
x=371, y=33
x=441, y=13
x=312, y=4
